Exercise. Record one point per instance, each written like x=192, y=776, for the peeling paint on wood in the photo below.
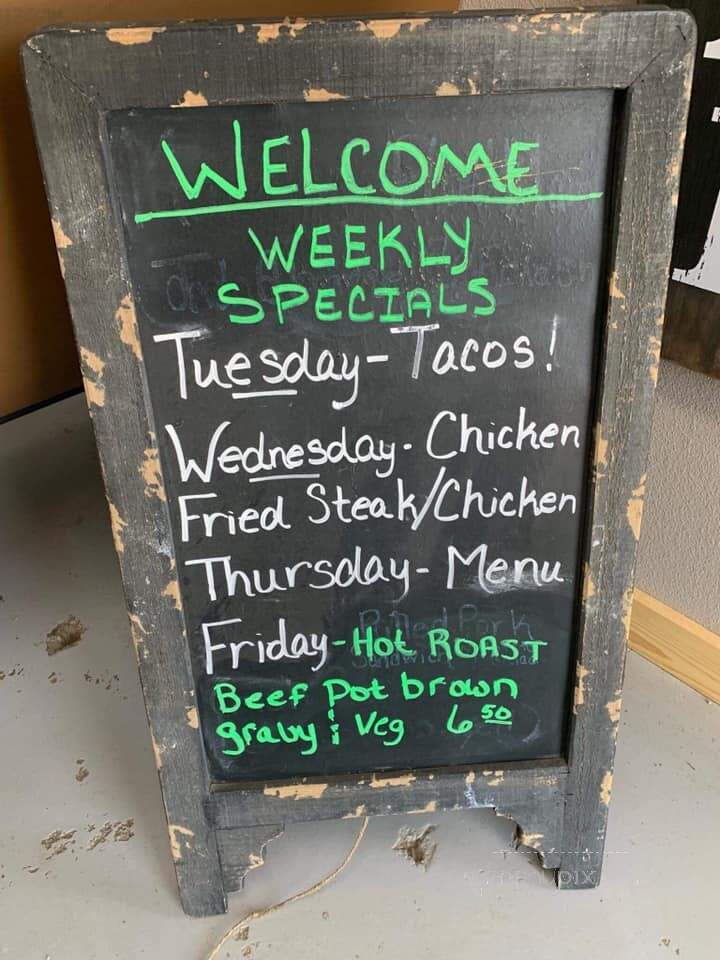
x=118, y=525
x=172, y=590
x=158, y=751
x=533, y=840
x=613, y=710
x=127, y=323
x=297, y=791
x=616, y=292
x=579, y=699
x=150, y=472
x=588, y=585
x=606, y=788
x=402, y=781
x=387, y=29
x=359, y=811
x=655, y=346
x=272, y=31
x=192, y=717
x=320, y=95
x=62, y=240
x=191, y=98
x=627, y=604
x=447, y=89
x=92, y=371
x=635, y=508
x=601, y=447
x=129, y=36
x=176, y=833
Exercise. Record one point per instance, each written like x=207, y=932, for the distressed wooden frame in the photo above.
x=74, y=77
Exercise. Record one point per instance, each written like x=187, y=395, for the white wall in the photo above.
x=679, y=556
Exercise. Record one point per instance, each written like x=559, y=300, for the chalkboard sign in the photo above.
x=370, y=359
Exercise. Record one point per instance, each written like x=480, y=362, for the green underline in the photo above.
x=503, y=199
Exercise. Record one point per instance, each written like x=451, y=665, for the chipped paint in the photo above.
x=158, y=750
x=137, y=632
x=255, y=860
x=267, y=31
x=606, y=788
x=403, y=781
x=470, y=778
x=582, y=673
x=321, y=94
x=358, y=812
x=173, y=831
x=192, y=717
x=150, y=472
x=627, y=610
x=496, y=777
x=118, y=525
x=92, y=361
x=654, y=350
x=62, y=240
x=172, y=590
x=533, y=840
x=601, y=447
x=130, y=36
x=191, y=99
x=240, y=27
x=271, y=31
x=297, y=791
x=635, y=508
x=447, y=89
x=430, y=807
x=589, y=584
x=388, y=29
x=127, y=322
x=613, y=709
x=94, y=388
x=616, y=292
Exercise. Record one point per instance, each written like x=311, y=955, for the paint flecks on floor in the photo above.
x=58, y=842
x=16, y=671
x=65, y=634
x=82, y=772
x=118, y=831
x=106, y=680
x=417, y=846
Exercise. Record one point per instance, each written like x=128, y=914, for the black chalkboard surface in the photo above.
x=369, y=317
x=372, y=418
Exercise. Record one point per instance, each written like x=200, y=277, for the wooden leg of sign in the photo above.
x=585, y=823
x=242, y=849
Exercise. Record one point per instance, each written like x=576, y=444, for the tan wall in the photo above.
x=37, y=351
x=679, y=555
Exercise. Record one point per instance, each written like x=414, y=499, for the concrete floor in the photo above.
x=77, y=773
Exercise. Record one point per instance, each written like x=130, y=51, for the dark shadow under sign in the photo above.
x=370, y=355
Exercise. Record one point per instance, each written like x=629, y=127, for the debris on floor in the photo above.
x=57, y=842
x=120, y=831
x=418, y=846
x=64, y=634
x=16, y=671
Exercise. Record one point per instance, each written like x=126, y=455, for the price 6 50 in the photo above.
x=489, y=713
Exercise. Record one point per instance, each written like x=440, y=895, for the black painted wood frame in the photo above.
x=76, y=75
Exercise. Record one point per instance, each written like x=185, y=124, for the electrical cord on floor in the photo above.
x=257, y=914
